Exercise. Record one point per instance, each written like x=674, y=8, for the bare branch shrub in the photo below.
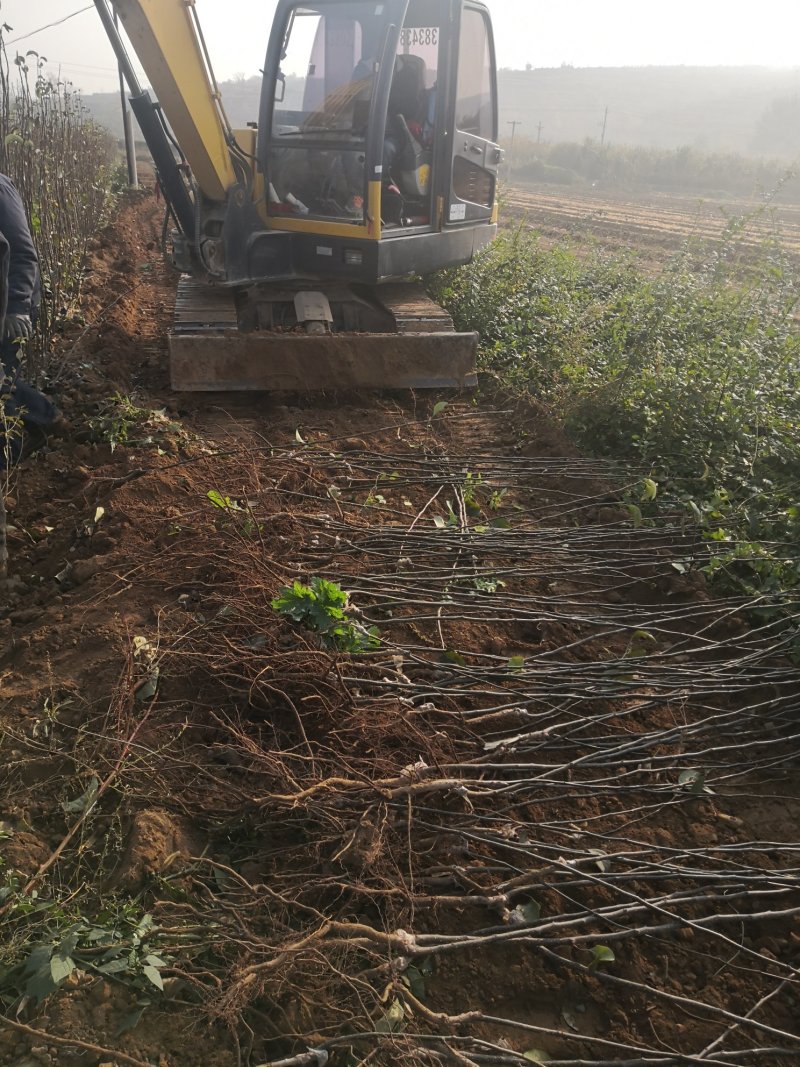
x=62, y=163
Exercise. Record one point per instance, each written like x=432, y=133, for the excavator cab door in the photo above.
x=476, y=155
x=327, y=78
x=398, y=96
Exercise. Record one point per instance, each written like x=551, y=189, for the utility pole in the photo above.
x=513, y=126
x=605, y=127
x=539, y=133
x=127, y=125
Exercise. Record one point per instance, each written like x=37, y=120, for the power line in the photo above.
x=83, y=66
x=50, y=25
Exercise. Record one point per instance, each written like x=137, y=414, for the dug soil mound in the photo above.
x=373, y=730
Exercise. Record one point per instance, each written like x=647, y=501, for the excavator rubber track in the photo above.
x=215, y=347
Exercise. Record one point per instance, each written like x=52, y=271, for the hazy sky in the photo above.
x=581, y=32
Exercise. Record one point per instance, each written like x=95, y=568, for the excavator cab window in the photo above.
x=413, y=117
x=476, y=107
x=325, y=129
x=319, y=127
x=476, y=154
x=381, y=102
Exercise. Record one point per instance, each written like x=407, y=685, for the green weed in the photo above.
x=119, y=941
x=323, y=607
x=120, y=421
x=240, y=514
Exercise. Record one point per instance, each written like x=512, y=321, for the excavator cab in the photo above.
x=367, y=107
x=374, y=161
x=374, y=128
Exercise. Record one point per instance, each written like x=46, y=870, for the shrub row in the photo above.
x=694, y=371
x=684, y=169
x=62, y=164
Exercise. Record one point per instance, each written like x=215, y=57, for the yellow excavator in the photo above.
x=373, y=162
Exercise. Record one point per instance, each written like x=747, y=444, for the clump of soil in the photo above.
x=157, y=842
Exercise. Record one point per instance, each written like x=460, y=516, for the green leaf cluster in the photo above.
x=323, y=607
x=116, y=943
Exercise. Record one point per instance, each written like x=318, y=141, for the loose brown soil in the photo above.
x=556, y=810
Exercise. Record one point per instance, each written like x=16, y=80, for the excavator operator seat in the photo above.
x=408, y=110
x=408, y=87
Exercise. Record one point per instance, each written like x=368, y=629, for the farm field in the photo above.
x=547, y=811
x=653, y=226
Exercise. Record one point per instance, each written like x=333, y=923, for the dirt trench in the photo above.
x=549, y=809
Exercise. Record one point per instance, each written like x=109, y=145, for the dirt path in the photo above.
x=554, y=812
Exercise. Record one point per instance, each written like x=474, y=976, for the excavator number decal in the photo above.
x=420, y=36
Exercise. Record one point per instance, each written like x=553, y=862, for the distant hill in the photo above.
x=749, y=110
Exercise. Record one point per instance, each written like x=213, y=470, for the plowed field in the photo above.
x=654, y=226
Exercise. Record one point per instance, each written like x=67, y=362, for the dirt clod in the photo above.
x=157, y=842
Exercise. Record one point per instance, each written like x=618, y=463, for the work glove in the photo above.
x=18, y=328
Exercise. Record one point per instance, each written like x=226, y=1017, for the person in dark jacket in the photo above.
x=4, y=258
x=21, y=402
x=5, y=255
x=24, y=283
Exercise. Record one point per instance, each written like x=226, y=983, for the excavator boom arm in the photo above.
x=165, y=37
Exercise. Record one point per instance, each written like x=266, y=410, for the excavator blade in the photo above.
x=298, y=363
x=217, y=344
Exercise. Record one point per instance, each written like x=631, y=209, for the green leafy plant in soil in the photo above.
x=323, y=607
x=120, y=421
x=55, y=940
x=693, y=372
